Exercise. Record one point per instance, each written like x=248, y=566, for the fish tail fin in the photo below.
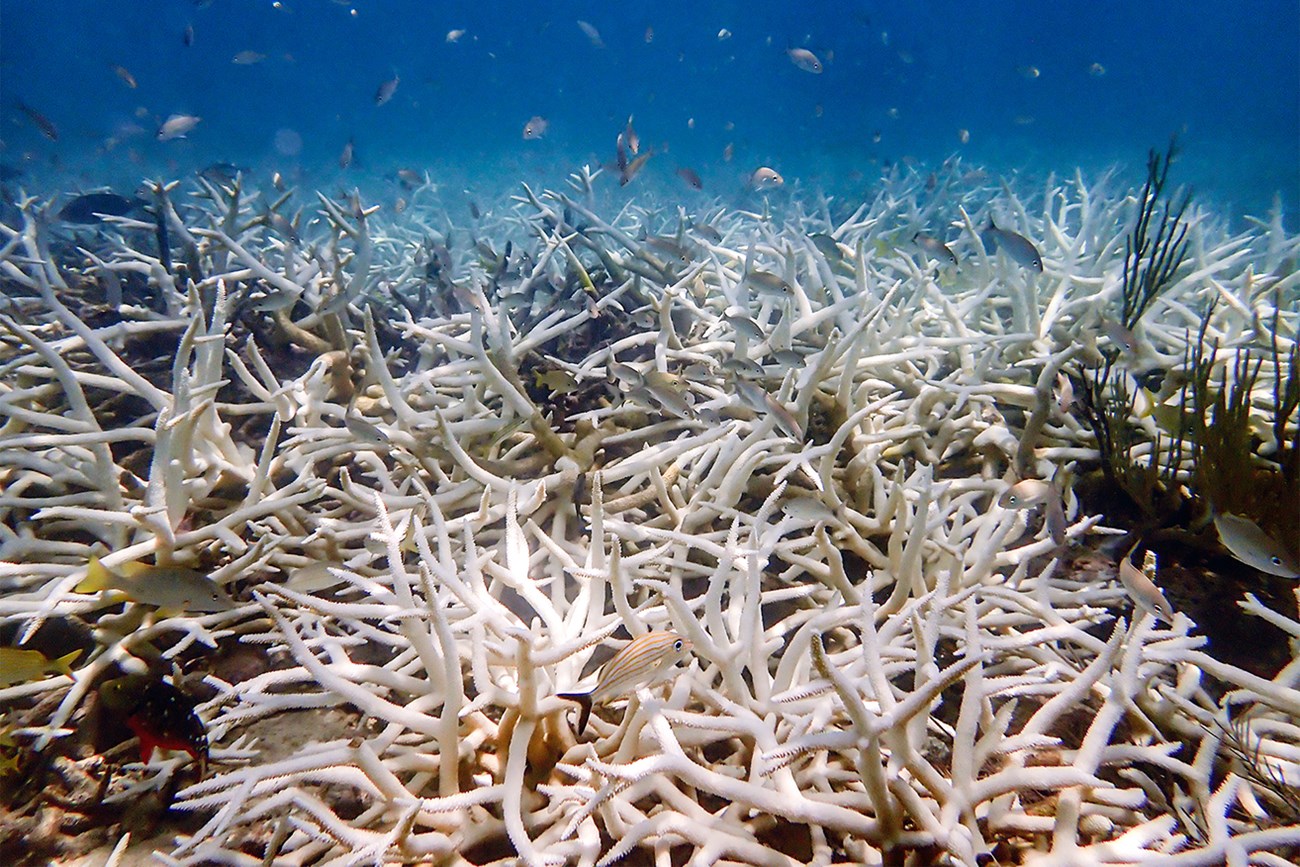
x=97, y=577
x=584, y=702
x=64, y=663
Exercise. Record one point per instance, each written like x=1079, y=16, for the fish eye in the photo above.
x=677, y=645
x=1275, y=560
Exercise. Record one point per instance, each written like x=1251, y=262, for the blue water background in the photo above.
x=1225, y=76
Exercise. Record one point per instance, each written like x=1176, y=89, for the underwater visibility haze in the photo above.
x=584, y=433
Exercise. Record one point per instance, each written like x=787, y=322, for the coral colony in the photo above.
x=407, y=489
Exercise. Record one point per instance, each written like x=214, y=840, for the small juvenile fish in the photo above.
x=765, y=178
x=172, y=588
x=387, y=89
x=1025, y=494
x=934, y=247
x=1030, y=72
x=632, y=169
x=644, y=660
x=728, y=152
x=691, y=178
x=535, y=128
x=125, y=74
x=366, y=432
x=963, y=135
x=592, y=34
x=1122, y=337
x=1143, y=591
x=1018, y=247
x=159, y=714
x=630, y=138
x=40, y=121
x=1096, y=70
x=345, y=157
x=805, y=60
x=453, y=36
x=742, y=324
x=766, y=281
x=1248, y=543
x=410, y=178
x=187, y=35
x=827, y=246
x=177, y=126
x=558, y=382
x=1064, y=393
x=248, y=58
x=21, y=666
x=707, y=232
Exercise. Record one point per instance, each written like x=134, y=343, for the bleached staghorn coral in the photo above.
x=885, y=661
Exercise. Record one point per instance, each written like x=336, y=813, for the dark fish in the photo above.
x=159, y=714
x=84, y=209
x=1018, y=247
x=40, y=121
x=935, y=248
x=386, y=90
x=691, y=178
x=827, y=246
x=187, y=35
x=410, y=178
x=221, y=173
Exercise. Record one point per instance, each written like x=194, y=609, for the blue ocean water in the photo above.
x=1039, y=87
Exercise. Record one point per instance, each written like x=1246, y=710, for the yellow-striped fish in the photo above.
x=644, y=660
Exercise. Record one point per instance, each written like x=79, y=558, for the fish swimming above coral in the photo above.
x=1248, y=543
x=20, y=666
x=644, y=660
x=1017, y=246
x=159, y=714
x=170, y=588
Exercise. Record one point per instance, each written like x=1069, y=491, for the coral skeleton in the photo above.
x=339, y=416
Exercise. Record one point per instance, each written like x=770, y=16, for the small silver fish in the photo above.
x=934, y=247
x=765, y=178
x=177, y=126
x=1025, y=494
x=387, y=89
x=247, y=58
x=535, y=128
x=1123, y=338
x=1096, y=70
x=1018, y=247
x=691, y=178
x=125, y=74
x=805, y=60
x=1030, y=72
x=1248, y=543
x=348, y=153
x=1142, y=590
x=592, y=34
x=453, y=36
x=644, y=660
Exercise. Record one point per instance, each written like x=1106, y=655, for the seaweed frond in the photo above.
x=1151, y=261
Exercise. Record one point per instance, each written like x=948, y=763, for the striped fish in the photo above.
x=642, y=661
